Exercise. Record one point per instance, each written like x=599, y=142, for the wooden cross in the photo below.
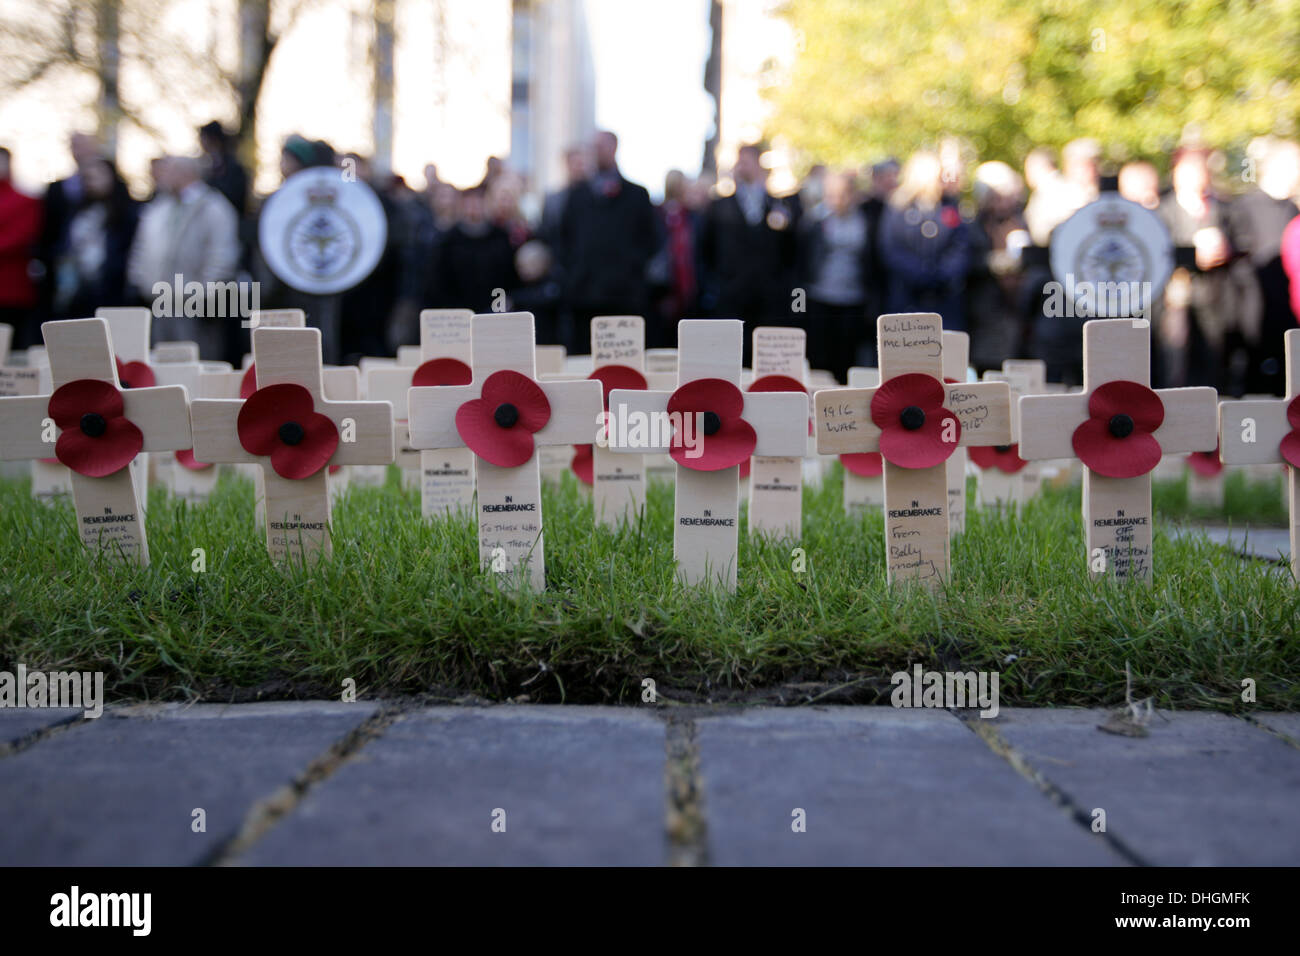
x=996, y=485
x=100, y=444
x=1260, y=432
x=912, y=426
x=707, y=509
x=294, y=433
x=180, y=472
x=864, y=482
x=617, y=480
x=1112, y=419
x=509, y=495
x=776, y=483
x=446, y=476
x=956, y=358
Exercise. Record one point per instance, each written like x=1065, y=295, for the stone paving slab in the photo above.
x=1288, y=724
x=578, y=786
x=120, y=790
x=879, y=786
x=1204, y=789
x=17, y=722
x=1270, y=543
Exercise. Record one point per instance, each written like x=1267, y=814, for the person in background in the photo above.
x=1210, y=319
x=504, y=196
x=1256, y=223
x=1291, y=260
x=812, y=191
x=374, y=307
x=884, y=180
x=475, y=263
x=62, y=198
x=925, y=245
x=416, y=241
x=189, y=233
x=1139, y=182
x=607, y=239
x=223, y=171
x=20, y=231
x=673, y=271
x=540, y=290
x=90, y=265
x=1059, y=195
x=995, y=291
x=576, y=165
x=837, y=250
x=749, y=249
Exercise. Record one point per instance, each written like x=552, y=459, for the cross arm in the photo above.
x=630, y=405
x=842, y=421
x=1191, y=420
x=20, y=423
x=984, y=410
x=374, y=443
x=216, y=438
x=575, y=408
x=1262, y=421
x=390, y=385
x=432, y=412
x=1047, y=424
x=780, y=420
x=162, y=414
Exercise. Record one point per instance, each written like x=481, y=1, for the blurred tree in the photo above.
x=872, y=79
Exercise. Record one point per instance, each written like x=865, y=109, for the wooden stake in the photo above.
x=776, y=483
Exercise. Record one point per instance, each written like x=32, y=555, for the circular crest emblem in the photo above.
x=1112, y=258
x=320, y=233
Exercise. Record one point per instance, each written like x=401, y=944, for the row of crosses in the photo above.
x=475, y=406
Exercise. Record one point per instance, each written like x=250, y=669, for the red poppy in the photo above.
x=583, y=464
x=281, y=422
x=780, y=383
x=1290, y=447
x=868, y=464
x=724, y=439
x=442, y=371
x=1117, y=440
x=185, y=458
x=134, y=374
x=96, y=438
x=499, y=425
x=1205, y=463
x=950, y=217
x=248, y=384
x=916, y=431
x=1004, y=458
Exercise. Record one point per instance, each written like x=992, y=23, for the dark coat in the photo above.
x=750, y=268
x=470, y=267
x=606, y=241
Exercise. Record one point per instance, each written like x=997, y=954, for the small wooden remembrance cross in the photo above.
x=776, y=483
x=504, y=415
x=915, y=421
x=1119, y=428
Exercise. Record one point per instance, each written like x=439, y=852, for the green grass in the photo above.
x=402, y=607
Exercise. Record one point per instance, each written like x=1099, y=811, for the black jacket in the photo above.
x=743, y=261
x=606, y=241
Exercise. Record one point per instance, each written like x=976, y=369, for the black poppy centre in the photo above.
x=1121, y=426
x=506, y=415
x=712, y=422
x=291, y=433
x=93, y=425
x=912, y=418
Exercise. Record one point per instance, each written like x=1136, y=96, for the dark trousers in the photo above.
x=835, y=335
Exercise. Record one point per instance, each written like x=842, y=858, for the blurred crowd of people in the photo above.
x=940, y=232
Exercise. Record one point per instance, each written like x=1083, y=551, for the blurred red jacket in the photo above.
x=20, y=228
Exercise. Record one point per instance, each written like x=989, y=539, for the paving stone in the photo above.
x=579, y=785
x=1267, y=543
x=17, y=722
x=121, y=789
x=1204, y=789
x=1288, y=724
x=879, y=786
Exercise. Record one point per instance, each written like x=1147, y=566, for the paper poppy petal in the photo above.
x=868, y=464
x=990, y=457
x=442, y=371
x=84, y=396
x=1127, y=398
x=105, y=455
x=135, y=374
x=708, y=395
x=320, y=441
x=618, y=376
x=745, y=467
x=185, y=458
x=902, y=391
x=583, y=464
x=923, y=447
x=506, y=387
x=503, y=447
x=1114, y=457
x=1205, y=463
x=264, y=411
x=730, y=445
x=776, y=383
x=1290, y=449
x=1293, y=412
x=248, y=384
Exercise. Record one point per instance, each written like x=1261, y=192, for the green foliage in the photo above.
x=402, y=607
x=873, y=78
